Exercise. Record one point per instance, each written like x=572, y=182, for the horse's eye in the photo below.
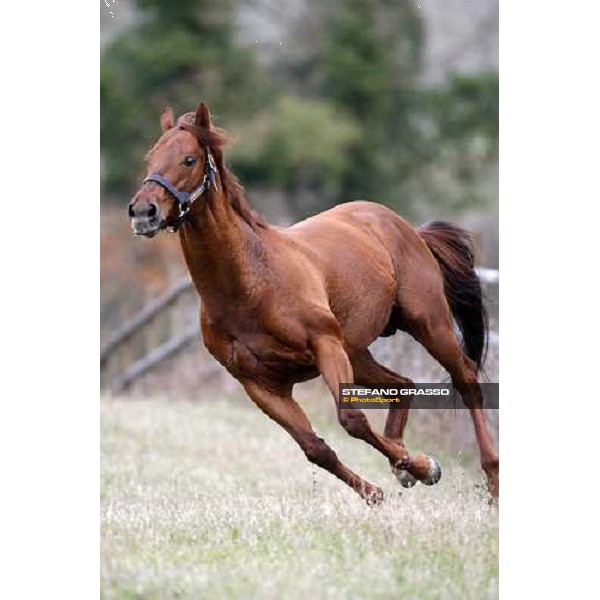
x=189, y=161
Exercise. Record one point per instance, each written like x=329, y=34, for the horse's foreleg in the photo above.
x=334, y=364
x=283, y=409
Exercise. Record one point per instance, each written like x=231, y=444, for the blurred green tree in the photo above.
x=298, y=145
x=369, y=60
x=342, y=114
x=460, y=130
x=417, y=146
x=177, y=53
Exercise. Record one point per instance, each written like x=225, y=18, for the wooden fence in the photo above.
x=165, y=327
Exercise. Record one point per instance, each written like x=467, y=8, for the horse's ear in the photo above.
x=167, y=119
x=203, y=116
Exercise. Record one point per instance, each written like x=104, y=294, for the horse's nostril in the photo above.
x=152, y=210
x=130, y=211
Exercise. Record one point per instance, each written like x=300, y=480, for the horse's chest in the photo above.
x=257, y=354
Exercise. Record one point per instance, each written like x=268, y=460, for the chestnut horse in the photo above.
x=283, y=305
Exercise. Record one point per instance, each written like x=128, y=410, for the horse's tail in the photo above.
x=453, y=248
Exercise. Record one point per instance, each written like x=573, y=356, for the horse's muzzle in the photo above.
x=147, y=227
x=145, y=216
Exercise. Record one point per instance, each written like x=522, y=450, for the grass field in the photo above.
x=212, y=500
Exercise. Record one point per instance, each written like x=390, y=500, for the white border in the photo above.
x=548, y=303
x=49, y=432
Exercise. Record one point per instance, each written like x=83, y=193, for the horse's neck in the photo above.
x=224, y=255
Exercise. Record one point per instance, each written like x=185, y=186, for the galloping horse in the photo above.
x=283, y=305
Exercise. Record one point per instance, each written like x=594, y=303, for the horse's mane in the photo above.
x=216, y=139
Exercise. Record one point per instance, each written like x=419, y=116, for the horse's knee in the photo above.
x=354, y=422
x=319, y=453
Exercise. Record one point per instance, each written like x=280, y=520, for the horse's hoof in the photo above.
x=374, y=497
x=434, y=473
x=405, y=479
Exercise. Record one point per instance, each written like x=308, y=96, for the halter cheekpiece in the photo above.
x=186, y=199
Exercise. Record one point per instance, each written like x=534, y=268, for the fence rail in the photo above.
x=119, y=368
x=141, y=319
x=155, y=357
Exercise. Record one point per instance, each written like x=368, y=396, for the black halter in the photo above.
x=186, y=199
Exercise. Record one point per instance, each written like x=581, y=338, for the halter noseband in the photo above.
x=186, y=199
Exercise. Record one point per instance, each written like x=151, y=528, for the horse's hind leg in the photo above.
x=283, y=409
x=367, y=371
x=436, y=333
x=334, y=364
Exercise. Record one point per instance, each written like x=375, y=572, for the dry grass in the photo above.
x=212, y=500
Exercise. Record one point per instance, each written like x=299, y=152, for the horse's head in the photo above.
x=180, y=168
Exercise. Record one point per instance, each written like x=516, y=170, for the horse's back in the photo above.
x=360, y=232
x=359, y=214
